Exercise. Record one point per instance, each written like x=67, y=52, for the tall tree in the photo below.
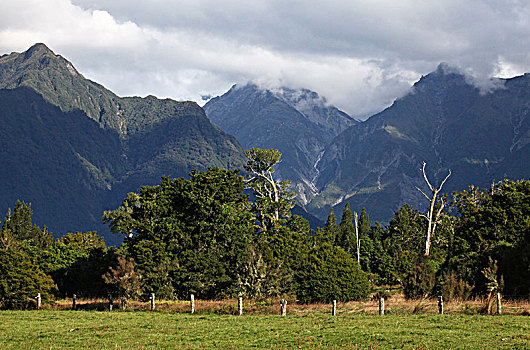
x=433, y=216
x=188, y=235
x=328, y=233
x=18, y=229
x=346, y=231
x=76, y=262
x=21, y=280
x=357, y=238
x=493, y=224
x=366, y=245
x=274, y=200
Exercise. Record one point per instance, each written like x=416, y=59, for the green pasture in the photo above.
x=48, y=329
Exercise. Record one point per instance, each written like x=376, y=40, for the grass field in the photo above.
x=59, y=329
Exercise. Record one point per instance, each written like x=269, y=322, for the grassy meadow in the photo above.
x=357, y=326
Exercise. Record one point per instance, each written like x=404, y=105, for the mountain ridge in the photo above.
x=445, y=121
x=150, y=138
x=266, y=118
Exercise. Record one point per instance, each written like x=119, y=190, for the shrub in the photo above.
x=420, y=279
x=123, y=280
x=329, y=273
x=453, y=288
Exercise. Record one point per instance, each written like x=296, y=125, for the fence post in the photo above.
x=192, y=303
x=240, y=306
x=381, y=306
x=441, y=305
x=110, y=302
x=334, y=308
x=499, y=310
x=152, y=298
x=283, y=307
x=74, y=302
x=38, y=301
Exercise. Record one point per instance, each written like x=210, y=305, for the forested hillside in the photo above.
x=73, y=148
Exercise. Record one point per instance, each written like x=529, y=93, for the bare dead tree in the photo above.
x=357, y=240
x=432, y=217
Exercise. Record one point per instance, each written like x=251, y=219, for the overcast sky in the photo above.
x=360, y=55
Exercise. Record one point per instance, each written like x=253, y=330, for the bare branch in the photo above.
x=440, y=188
x=425, y=177
x=432, y=217
x=423, y=193
x=423, y=215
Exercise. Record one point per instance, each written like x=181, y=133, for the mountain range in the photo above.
x=482, y=136
x=73, y=148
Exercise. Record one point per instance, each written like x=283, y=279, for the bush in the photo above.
x=453, y=288
x=20, y=281
x=329, y=273
x=420, y=279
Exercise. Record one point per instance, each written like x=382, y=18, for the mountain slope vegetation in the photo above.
x=75, y=148
x=482, y=136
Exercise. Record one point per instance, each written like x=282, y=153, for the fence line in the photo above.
x=490, y=304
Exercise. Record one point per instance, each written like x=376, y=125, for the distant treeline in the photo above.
x=204, y=236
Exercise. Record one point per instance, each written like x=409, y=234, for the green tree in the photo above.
x=329, y=273
x=367, y=245
x=198, y=228
x=493, y=224
x=346, y=232
x=21, y=280
x=20, y=233
x=420, y=279
x=381, y=264
x=403, y=242
x=328, y=234
x=76, y=262
x=273, y=198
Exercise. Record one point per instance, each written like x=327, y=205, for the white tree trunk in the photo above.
x=357, y=240
x=432, y=218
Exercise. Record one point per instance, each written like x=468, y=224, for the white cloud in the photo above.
x=361, y=55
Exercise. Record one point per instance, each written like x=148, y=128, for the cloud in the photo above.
x=360, y=55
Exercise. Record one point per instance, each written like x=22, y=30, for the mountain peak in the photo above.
x=38, y=49
x=445, y=75
x=445, y=68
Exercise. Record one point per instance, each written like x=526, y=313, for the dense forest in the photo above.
x=219, y=233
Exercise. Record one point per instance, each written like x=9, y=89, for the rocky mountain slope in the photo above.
x=445, y=121
x=299, y=123
x=73, y=148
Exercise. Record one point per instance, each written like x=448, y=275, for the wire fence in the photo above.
x=394, y=305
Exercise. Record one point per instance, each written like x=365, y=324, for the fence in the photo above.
x=239, y=306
